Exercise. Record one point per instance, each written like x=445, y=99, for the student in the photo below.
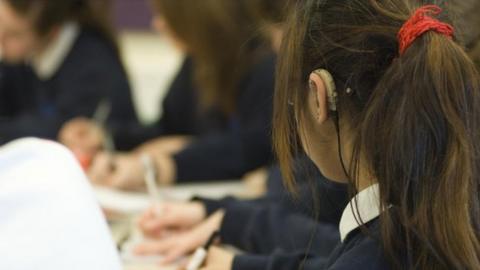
x=403, y=109
x=60, y=61
x=218, y=110
x=49, y=216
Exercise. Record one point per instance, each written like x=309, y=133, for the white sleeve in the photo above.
x=49, y=218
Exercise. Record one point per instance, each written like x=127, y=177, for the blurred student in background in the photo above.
x=217, y=113
x=60, y=61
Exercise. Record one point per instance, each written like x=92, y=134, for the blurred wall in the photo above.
x=132, y=14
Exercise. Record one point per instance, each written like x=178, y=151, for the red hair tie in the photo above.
x=421, y=23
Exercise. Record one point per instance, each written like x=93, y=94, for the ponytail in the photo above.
x=426, y=159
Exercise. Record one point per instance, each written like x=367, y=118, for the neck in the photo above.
x=365, y=180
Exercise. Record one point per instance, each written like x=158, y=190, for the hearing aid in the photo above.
x=332, y=94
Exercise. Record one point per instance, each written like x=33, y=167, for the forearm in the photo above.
x=264, y=229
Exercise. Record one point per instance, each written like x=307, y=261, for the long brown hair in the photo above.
x=414, y=121
x=48, y=14
x=220, y=36
x=271, y=11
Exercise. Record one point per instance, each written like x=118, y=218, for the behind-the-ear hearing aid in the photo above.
x=332, y=97
x=332, y=94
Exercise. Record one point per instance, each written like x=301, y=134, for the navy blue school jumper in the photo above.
x=91, y=73
x=357, y=249
x=225, y=146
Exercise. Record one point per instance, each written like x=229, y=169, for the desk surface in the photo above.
x=134, y=202
x=148, y=267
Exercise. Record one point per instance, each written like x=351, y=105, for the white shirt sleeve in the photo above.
x=49, y=218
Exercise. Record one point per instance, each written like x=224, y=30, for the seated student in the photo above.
x=49, y=218
x=218, y=110
x=384, y=98
x=60, y=61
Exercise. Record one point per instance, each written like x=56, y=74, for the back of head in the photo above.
x=220, y=36
x=413, y=117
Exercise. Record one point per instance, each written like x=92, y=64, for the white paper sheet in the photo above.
x=49, y=218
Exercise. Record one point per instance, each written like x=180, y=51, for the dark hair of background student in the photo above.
x=45, y=15
x=413, y=120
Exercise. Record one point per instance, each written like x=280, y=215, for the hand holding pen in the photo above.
x=200, y=254
x=218, y=259
x=170, y=239
x=86, y=137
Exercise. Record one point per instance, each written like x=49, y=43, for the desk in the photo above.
x=148, y=267
x=130, y=204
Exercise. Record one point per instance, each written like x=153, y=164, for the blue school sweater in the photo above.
x=225, y=146
x=357, y=249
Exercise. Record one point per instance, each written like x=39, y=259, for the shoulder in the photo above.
x=359, y=251
x=260, y=78
x=93, y=42
x=264, y=67
x=92, y=60
x=92, y=50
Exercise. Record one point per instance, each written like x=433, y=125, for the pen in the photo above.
x=150, y=179
x=200, y=254
x=100, y=117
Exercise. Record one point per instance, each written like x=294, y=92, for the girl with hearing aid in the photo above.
x=382, y=96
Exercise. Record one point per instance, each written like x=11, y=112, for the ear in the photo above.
x=318, y=98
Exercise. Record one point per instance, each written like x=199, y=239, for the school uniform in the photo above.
x=357, y=250
x=73, y=76
x=225, y=146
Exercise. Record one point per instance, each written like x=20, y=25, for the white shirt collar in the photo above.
x=364, y=207
x=46, y=64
